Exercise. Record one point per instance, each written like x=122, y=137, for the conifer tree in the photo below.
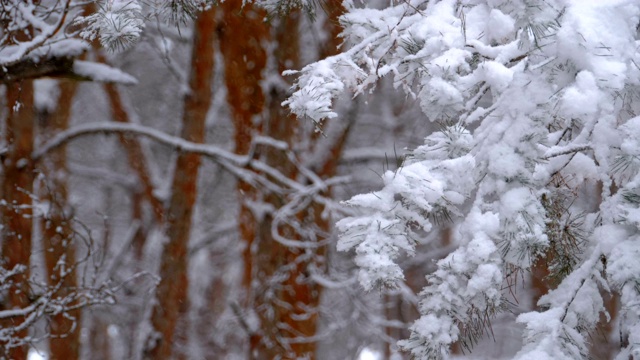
x=536, y=102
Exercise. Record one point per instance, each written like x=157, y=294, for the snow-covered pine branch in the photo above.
x=119, y=23
x=544, y=94
x=284, y=7
x=43, y=39
x=116, y=23
x=39, y=40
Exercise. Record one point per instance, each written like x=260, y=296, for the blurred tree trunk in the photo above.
x=17, y=186
x=57, y=231
x=300, y=290
x=287, y=307
x=280, y=304
x=242, y=34
x=605, y=342
x=99, y=345
x=136, y=160
x=133, y=149
x=173, y=290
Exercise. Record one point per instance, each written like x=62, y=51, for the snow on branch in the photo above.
x=245, y=167
x=573, y=309
x=534, y=99
x=22, y=17
x=41, y=39
x=117, y=24
x=284, y=7
x=93, y=71
x=462, y=297
x=422, y=192
x=298, y=194
x=180, y=11
x=53, y=296
x=64, y=67
x=105, y=128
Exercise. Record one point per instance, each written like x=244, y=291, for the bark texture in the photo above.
x=242, y=35
x=277, y=281
x=57, y=230
x=172, y=292
x=17, y=186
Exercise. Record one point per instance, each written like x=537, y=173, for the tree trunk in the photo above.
x=295, y=323
x=242, y=34
x=300, y=290
x=136, y=160
x=57, y=231
x=17, y=189
x=100, y=348
x=172, y=292
x=287, y=308
x=135, y=155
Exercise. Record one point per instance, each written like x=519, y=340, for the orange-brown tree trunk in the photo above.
x=287, y=309
x=242, y=34
x=297, y=318
x=57, y=231
x=300, y=290
x=17, y=186
x=172, y=292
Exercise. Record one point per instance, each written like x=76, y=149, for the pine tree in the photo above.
x=536, y=102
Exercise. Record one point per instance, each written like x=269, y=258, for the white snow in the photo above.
x=550, y=107
x=101, y=72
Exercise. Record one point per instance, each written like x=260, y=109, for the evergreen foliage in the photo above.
x=539, y=163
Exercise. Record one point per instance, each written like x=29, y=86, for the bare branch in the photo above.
x=244, y=167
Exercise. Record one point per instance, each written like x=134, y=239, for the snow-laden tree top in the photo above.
x=537, y=158
x=43, y=38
